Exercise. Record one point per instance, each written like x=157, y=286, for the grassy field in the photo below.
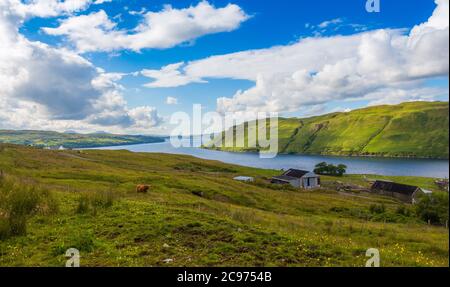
x=417, y=129
x=197, y=215
x=71, y=140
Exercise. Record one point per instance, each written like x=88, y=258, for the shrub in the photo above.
x=433, y=208
x=324, y=168
x=402, y=210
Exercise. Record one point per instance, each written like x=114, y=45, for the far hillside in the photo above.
x=415, y=129
x=52, y=139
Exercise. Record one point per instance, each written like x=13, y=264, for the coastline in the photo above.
x=343, y=155
x=435, y=168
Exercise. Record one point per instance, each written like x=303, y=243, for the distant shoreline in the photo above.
x=336, y=155
x=299, y=154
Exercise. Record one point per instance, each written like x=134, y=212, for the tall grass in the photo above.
x=92, y=202
x=18, y=201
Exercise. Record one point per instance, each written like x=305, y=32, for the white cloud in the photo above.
x=46, y=8
x=47, y=88
x=171, y=101
x=145, y=117
x=328, y=23
x=317, y=70
x=98, y=2
x=396, y=96
x=159, y=30
x=169, y=76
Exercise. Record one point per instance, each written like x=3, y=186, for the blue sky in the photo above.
x=267, y=24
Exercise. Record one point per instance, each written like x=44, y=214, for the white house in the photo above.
x=298, y=178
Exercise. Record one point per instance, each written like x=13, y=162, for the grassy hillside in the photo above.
x=195, y=215
x=71, y=140
x=418, y=129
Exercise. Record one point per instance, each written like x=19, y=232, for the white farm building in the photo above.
x=298, y=178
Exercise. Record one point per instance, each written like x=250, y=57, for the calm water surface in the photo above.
x=356, y=165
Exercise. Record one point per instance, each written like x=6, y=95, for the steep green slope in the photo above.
x=416, y=129
x=196, y=215
x=71, y=140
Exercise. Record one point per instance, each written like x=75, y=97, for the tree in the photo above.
x=324, y=168
x=433, y=208
x=321, y=168
x=341, y=169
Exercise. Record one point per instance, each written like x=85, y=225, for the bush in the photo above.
x=433, y=208
x=402, y=210
x=324, y=168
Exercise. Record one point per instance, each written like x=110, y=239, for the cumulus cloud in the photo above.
x=164, y=29
x=44, y=87
x=395, y=96
x=169, y=76
x=48, y=8
x=317, y=70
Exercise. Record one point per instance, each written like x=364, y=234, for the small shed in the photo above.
x=404, y=192
x=244, y=178
x=298, y=178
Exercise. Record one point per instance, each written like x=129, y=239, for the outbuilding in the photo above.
x=298, y=178
x=244, y=178
x=404, y=192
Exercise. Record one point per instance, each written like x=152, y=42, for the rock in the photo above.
x=166, y=245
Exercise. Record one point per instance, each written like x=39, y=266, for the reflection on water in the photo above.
x=356, y=165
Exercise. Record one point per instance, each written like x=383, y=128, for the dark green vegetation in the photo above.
x=324, y=168
x=434, y=208
x=196, y=215
x=417, y=129
x=71, y=140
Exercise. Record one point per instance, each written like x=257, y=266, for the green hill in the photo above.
x=72, y=140
x=195, y=215
x=415, y=129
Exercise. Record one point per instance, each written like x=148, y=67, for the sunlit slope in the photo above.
x=71, y=140
x=417, y=129
x=196, y=215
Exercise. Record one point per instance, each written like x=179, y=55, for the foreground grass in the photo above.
x=197, y=215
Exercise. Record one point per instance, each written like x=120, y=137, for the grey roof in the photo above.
x=297, y=173
x=394, y=187
x=285, y=178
